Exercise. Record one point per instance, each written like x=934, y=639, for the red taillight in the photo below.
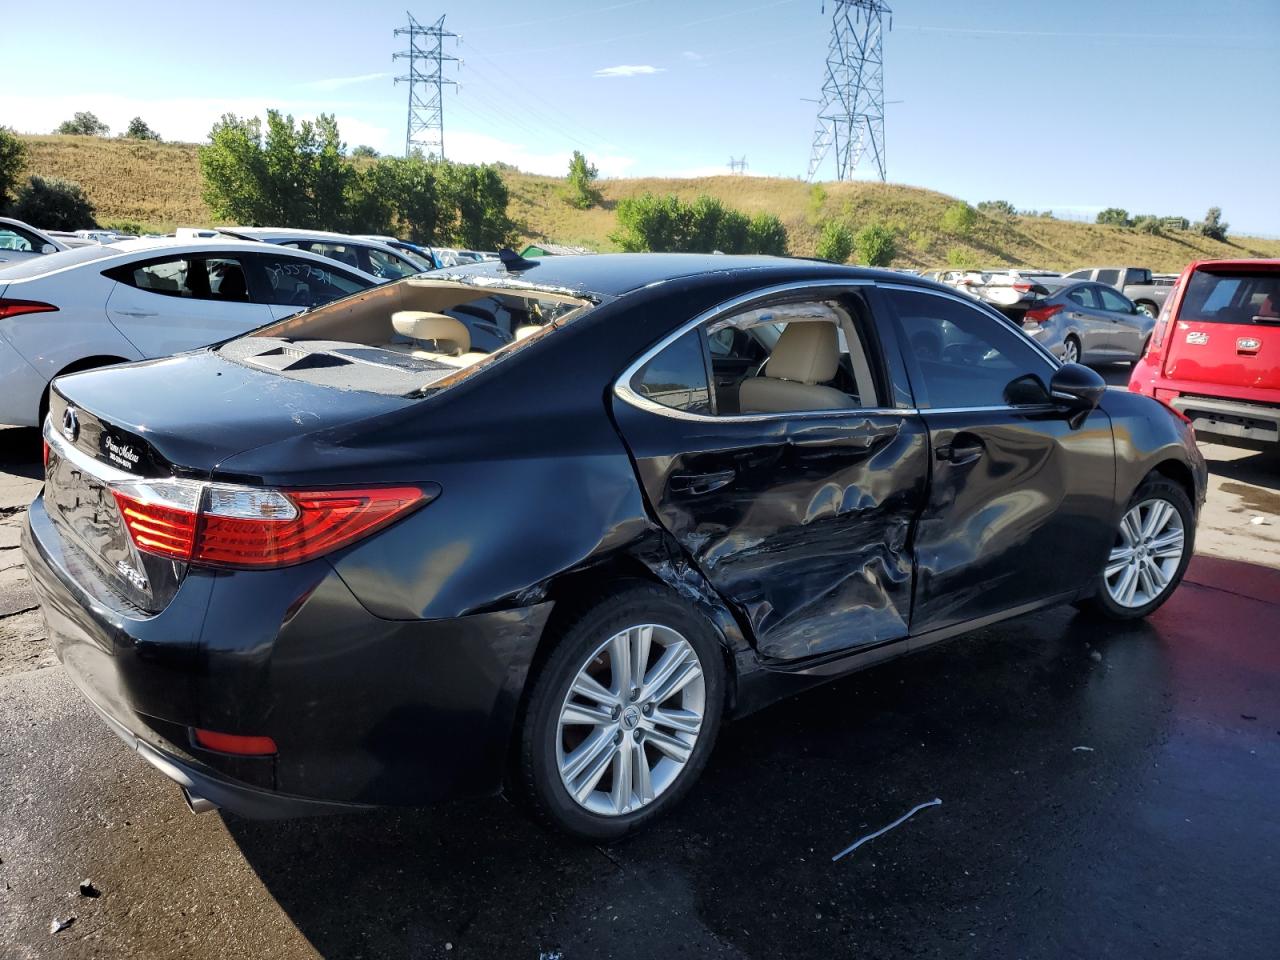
x=1041, y=314
x=247, y=527
x=1157, y=335
x=234, y=743
x=44, y=454
x=1021, y=286
x=16, y=308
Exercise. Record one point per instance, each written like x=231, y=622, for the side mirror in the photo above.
x=1077, y=388
x=48, y=248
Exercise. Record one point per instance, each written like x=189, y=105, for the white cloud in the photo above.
x=692, y=56
x=629, y=70
x=469, y=147
x=337, y=83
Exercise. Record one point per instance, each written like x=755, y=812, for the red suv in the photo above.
x=1214, y=354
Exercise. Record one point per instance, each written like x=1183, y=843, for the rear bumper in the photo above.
x=364, y=711
x=1235, y=422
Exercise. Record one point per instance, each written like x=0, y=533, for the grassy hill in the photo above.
x=158, y=185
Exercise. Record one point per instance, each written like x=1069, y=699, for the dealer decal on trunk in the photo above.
x=1198, y=338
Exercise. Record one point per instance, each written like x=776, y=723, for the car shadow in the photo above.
x=1011, y=727
x=1261, y=469
x=20, y=452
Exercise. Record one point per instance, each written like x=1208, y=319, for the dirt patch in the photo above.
x=24, y=644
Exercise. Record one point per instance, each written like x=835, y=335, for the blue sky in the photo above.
x=1157, y=107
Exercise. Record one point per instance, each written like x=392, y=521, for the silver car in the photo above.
x=21, y=241
x=1085, y=322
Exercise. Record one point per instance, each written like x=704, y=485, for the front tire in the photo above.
x=1071, y=350
x=1147, y=309
x=1151, y=551
x=622, y=715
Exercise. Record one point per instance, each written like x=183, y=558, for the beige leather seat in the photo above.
x=528, y=330
x=436, y=336
x=805, y=357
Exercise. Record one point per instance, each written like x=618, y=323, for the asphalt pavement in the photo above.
x=1106, y=792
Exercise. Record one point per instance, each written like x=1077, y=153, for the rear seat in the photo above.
x=434, y=336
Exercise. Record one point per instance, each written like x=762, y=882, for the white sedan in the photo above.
x=21, y=241
x=138, y=299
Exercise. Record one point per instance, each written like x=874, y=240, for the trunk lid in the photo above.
x=1226, y=328
x=181, y=416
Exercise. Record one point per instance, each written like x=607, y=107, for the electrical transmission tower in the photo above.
x=425, y=128
x=738, y=166
x=851, y=111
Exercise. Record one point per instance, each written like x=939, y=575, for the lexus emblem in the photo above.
x=70, y=424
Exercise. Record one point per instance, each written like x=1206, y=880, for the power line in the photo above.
x=424, y=129
x=738, y=165
x=851, y=111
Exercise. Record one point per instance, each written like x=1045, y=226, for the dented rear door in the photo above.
x=801, y=521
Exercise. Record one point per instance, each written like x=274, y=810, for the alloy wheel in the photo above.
x=630, y=720
x=1070, y=352
x=1148, y=550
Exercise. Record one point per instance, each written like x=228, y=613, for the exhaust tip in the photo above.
x=196, y=803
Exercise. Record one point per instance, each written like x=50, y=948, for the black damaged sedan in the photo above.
x=350, y=560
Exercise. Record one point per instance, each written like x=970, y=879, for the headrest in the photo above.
x=806, y=352
x=450, y=335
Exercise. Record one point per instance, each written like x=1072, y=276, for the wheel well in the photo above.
x=1180, y=474
x=84, y=363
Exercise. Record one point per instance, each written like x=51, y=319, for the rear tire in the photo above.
x=1150, y=555
x=1149, y=309
x=608, y=743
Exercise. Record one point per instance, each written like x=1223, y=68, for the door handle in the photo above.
x=963, y=448
x=697, y=484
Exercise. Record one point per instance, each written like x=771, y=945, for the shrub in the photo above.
x=13, y=158
x=364, y=150
x=1000, y=209
x=127, y=226
x=767, y=235
x=1147, y=224
x=817, y=200
x=582, y=178
x=53, y=204
x=876, y=245
x=84, y=124
x=961, y=258
x=666, y=224
x=1213, y=227
x=1115, y=217
x=139, y=130
x=836, y=242
x=959, y=219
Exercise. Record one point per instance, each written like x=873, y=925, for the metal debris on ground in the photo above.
x=87, y=889
x=935, y=802
x=1082, y=749
x=57, y=926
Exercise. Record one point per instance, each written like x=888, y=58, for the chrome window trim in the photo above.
x=622, y=385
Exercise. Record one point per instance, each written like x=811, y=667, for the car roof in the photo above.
x=160, y=245
x=1243, y=263
x=616, y=274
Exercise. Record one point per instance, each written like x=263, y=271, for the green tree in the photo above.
x=479, y=196
x=733, y=234
x=1148, y=224
x=1000, y=209
x=292, y=175
x=364, y=150
x=767, y=235
x=13, y=159
x=1115, y=217
x=583, y=192
x=650, y=223
x=959, y=219
x=371, y=198
x=53, y=204
x=835, y=242
x=876, y=245
x=1212, y=226
x=416, y=189
x=84, y=124
x=139, y=130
